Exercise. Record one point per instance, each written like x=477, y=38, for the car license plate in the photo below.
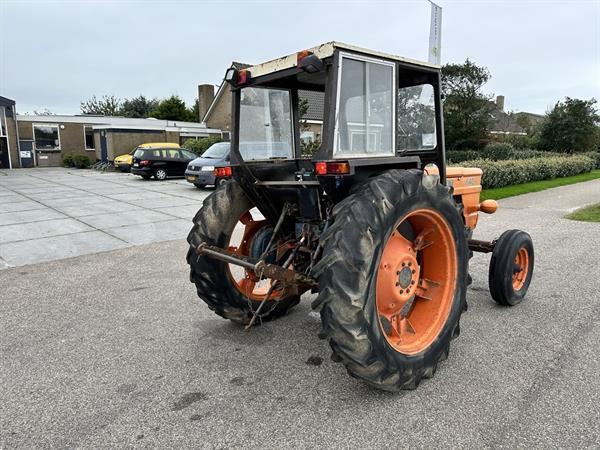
x=191, y=179
x=136, y=165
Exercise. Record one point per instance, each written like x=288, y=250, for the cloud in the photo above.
x=55, y=54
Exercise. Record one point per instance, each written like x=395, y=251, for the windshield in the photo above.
x=265, y=130
x=217, y=151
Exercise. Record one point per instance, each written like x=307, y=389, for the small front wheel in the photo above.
x=511, y=267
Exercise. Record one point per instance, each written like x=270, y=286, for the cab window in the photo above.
x=416, y=118
x=365, y=108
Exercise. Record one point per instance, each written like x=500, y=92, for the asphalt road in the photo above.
x=115, y=349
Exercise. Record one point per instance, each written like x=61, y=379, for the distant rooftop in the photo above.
x=117, y=122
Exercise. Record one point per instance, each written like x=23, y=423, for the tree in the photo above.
x=108, y=105
x=195, y=111
x=466, y=109
x=138, y=107
x=199, y=146
x=308, y=146
x=43, y=112
x=173, y=108
x=571, y=126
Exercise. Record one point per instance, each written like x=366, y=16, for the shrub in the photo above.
x=498, y=151
x=67, y=160
x=459, y=156
x=82, y=161
x=199, y=146
x=595, y=156
x=508, y=172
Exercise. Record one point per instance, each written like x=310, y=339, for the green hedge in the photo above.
x=509, y=172
x=494, y=153
x=199, y=146
x=595, y=156
x=82, y=161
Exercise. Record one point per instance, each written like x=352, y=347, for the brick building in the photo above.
x=42, y=140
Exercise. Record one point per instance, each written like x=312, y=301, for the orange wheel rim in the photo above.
x=245, y=281
x=521, y=269
x=416, y=280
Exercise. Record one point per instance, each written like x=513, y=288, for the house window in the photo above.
x=88, y=132
x=416, y=118
x=46, y=137
x=2, y=121
x=365, y=108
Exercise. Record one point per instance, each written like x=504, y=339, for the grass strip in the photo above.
x=536, y=186
x=587, y=214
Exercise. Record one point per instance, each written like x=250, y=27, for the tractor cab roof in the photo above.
x=327, y=50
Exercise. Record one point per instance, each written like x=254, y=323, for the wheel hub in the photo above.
x=407, y=274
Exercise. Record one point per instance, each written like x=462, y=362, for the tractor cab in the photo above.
x=379, y=112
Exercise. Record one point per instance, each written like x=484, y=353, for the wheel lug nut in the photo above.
x=412, y=281
x=401, y=291
x=397, y=272
x=413, y=271
x=397, y=283
x=403, y=264
x=409, y=264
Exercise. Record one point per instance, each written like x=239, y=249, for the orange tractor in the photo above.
x=372, y=220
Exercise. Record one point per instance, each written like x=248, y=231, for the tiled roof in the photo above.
x=316, y=104
x=502, y=122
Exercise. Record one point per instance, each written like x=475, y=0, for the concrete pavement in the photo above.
x=115, y=350
x=55, y=213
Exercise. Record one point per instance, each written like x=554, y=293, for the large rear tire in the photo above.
x=392, y=279
x=214, y=224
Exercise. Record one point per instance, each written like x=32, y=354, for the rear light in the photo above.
x=332, y=168
x=222, y=171
x=144, y=162
x=300, y=56
x=243, y=76
x=321, y=168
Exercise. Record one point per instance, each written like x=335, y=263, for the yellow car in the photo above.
x=124, y=162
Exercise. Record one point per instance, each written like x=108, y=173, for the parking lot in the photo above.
x=114, y=349
x=48, y=214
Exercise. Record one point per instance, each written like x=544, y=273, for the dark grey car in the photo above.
x=200, y=171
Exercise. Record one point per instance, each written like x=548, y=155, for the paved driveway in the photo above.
x=49, y=214
x=97, y=352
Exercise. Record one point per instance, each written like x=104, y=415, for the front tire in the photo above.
x=511, y=267
x=392, y=335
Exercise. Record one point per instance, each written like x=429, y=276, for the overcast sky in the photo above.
x=54, y=54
